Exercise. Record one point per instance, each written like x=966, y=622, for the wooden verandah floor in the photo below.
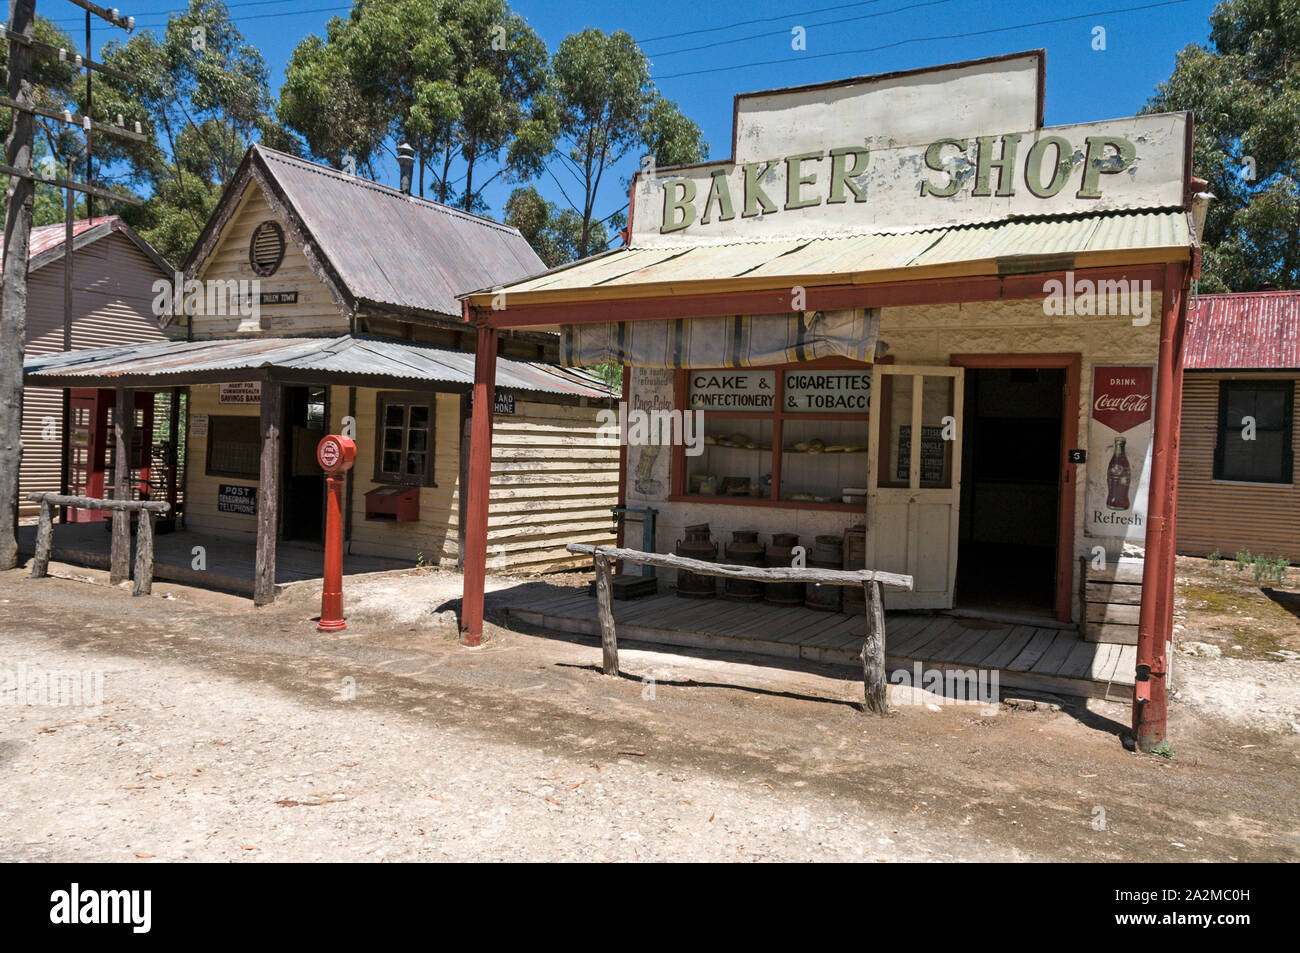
x=1031, y=657
x=230, y=559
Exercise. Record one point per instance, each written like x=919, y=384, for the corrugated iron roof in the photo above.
x=334, y=359
x=45, y=237
x=1257, y=330
x=1161, y=235
x=397, y=249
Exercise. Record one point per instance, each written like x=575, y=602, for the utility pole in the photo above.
x=13, y=317
x=21, y=99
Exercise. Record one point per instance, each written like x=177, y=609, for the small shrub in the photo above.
x=1243, y=559
x=1163, y=750
x=1216, y=557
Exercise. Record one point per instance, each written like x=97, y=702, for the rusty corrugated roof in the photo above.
x=390, y=248
x=967, y=249
x=1258, y=330
x=156, y=363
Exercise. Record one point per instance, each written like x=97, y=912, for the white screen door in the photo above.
x=914, y=480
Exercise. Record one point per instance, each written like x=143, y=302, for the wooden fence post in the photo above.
x=119, y=568
x=44, y=541
x=873, y=653
x=605, y=610
x=143, y=555
x=268, y=495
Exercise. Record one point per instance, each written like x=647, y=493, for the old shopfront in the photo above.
x=304, y=310
x=905, y=305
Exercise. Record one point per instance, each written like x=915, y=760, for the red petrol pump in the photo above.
x=336, y=455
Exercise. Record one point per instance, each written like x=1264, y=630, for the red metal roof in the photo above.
x=45, y=237
x=1258, y=330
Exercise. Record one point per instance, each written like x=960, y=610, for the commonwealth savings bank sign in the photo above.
x=960, y=144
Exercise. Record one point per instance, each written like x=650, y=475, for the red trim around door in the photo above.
x=1072, y=363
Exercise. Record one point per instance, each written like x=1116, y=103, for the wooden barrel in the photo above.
x=827, y=553
x=780, y=553
x=697, y=545
x=855, y=557
x=744, y=550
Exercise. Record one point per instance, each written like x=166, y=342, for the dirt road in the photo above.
x=232, y=734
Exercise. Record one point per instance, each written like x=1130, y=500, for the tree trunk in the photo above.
x=13, y=320
x=44, y=541
x=143, y=555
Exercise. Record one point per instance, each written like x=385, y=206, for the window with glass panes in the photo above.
x=1254, y=441
x=404, y=439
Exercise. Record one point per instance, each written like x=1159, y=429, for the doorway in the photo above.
x=306, y=413
x=1014, y=539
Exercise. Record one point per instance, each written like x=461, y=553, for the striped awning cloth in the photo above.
x=740, y=341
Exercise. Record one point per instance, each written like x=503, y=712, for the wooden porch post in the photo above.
x=478, y=486
x=123, y=427
x=1150, y=702
x=268, y=495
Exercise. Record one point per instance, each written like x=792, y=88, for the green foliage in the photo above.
x=204, y=93
x=1245, y=93
x=606, y=105
x=1163, y=750
x=1216, y=558
x=1243, y=559
x=1271, y=569
x=554, y=233
x=463, y=81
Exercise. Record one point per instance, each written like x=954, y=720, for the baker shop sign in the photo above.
x=954, y=145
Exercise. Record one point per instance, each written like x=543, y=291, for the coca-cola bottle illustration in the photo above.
x=1118, y=474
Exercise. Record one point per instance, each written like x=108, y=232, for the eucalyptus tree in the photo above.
x=606, y=106
x=1244, y=89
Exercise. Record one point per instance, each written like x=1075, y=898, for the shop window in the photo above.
x=1254, y=433
x=404, y=439
x=791, y=435
x=234, y=446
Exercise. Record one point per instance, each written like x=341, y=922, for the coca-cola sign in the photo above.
x=1121, y=396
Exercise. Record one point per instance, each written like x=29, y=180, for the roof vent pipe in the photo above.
x=406, y=162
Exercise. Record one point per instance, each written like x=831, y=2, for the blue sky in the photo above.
x=1083, y=84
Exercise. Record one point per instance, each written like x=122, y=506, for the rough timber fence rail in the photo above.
x=144, y=536
x=873, y=648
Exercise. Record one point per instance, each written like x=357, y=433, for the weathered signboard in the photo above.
x=911, y=151
x=241, y=392
x=233, y=498
x=732, y=390
x=1119, y=433
x=827, y=392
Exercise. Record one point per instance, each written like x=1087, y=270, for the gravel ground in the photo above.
x=232, y=734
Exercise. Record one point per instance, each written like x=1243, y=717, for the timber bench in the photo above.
x=873, y=646
x=121, y=553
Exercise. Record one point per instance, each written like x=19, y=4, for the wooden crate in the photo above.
x=1112, y=599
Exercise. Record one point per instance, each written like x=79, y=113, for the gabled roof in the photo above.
x=46, y=242
x=375, y=246
x=1258, y=330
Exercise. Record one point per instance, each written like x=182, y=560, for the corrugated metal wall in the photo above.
x=111, y=304
x=1229, y=516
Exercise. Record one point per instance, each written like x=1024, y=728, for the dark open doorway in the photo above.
x=1011, y=491
x=305, y=414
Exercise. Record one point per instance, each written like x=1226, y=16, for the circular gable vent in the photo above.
x=266, y=250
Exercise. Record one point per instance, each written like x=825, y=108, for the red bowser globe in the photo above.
x=336, y=454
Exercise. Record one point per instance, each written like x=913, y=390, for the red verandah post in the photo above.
x=478, y=487
x=1150, y=701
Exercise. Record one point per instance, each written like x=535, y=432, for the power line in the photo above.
x=782, y=32
x=783, y=16
x=167, y=14
x=920, y=39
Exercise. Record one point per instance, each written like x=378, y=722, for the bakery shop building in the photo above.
x=910, y=327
